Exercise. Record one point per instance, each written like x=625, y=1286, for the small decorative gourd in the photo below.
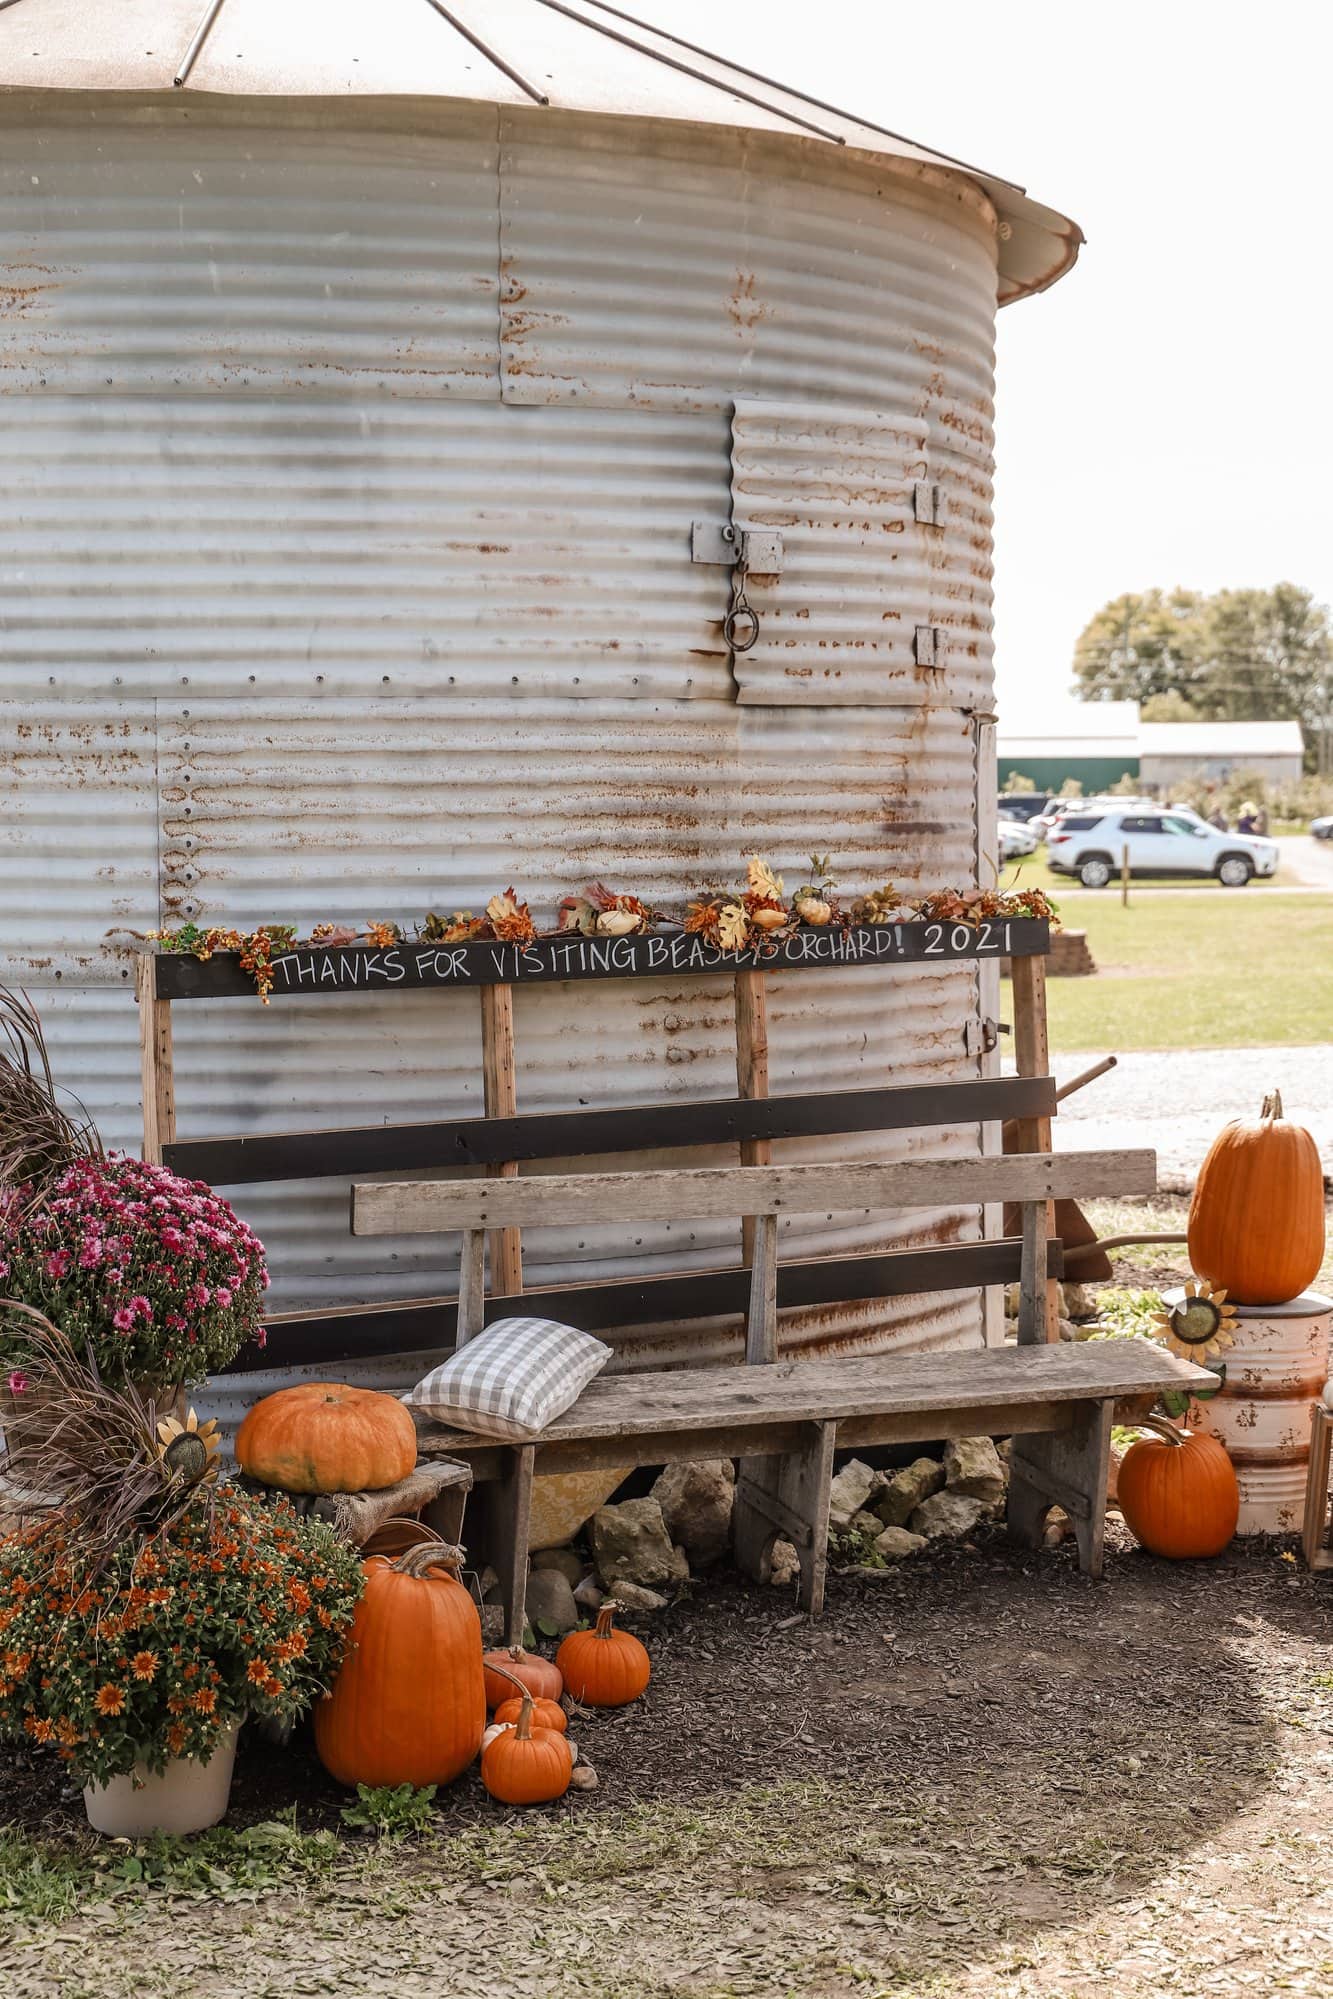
x=1256, y=1222
x=323, y=1436
x=1177, y=1490
x=604, y=1667
x=525, y=1765
x=535, y=1675
x=409, y=1704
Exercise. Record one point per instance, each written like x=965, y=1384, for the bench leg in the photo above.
x=787, y=1498
x=502, y=1534
x=1315, y=1530
x=1067, y=1468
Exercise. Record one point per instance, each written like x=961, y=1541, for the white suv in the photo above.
x=1161, y=841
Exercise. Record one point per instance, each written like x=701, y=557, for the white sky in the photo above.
x=1165, y=413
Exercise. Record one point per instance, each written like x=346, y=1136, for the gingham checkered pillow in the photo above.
x=512, y=1380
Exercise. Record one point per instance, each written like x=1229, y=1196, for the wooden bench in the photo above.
x=784, y=1419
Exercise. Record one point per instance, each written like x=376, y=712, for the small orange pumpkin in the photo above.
x=509, y=1663
x=408, y=1705
x=605, y=1667
x=524, y=1765
x=323, y=1436
x=545, y=1714
x=1177, y=1490
x=1256, y=1222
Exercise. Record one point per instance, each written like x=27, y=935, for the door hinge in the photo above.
x=719, y=543
x=928, y=503
x=928, y=645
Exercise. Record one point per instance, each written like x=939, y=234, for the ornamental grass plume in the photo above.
x=87, y=1448
x=39, y=1138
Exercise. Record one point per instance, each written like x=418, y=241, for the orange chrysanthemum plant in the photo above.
x=146, y=1611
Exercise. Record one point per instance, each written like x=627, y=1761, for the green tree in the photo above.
x=1237, y=656
x=1139, y=645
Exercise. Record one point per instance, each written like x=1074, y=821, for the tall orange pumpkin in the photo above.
x=323, y=1436
x=1177, y=1490
x=409, y=1703
x=1256, y=1223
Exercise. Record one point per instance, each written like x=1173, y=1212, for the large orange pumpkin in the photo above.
x=604, y=1667
x=409, y=1704
x=1177, y=1490
x=1256, y=1223
x=323, y=1436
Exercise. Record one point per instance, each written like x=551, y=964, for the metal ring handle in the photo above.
x=740, y=628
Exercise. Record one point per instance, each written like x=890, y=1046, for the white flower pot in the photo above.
x=187, y=1797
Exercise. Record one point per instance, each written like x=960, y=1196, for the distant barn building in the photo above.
x=1174, y=752
x=1099, y=743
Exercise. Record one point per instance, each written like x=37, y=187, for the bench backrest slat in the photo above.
x=416, y=1207
x=423, y=1148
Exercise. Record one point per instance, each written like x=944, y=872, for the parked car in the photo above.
x=1322, y=828
x=1023, y=804
x=1090, y=843
x=1016, y=839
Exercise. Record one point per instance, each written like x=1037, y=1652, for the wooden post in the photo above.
x=1124, y=877
x=751, y=1077
x=1039, y=1316
x=471, y=1286
x=155, y=1060
x=761, y=1326
x=500, y=1096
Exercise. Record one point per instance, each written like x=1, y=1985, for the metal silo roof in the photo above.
x=571, y=55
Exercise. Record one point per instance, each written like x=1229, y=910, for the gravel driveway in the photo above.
x=1176, y=1100
x=1309, y=860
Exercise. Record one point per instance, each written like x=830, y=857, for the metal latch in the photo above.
x=928, y=503
x=981, y=1037
x=720, y=543
x=928, y=645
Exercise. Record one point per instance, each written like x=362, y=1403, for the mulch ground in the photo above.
x=978, y=1775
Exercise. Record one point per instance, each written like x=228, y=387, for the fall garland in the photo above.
x=733, y=918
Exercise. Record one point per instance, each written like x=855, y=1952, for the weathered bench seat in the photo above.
x=1057, y=1402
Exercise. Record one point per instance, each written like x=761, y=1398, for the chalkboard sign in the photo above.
x=312, y=970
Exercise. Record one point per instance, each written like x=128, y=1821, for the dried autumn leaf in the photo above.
x=762, y=880
x=703, y=917
x=383, y=934
x=733, y=927
x=510, y=919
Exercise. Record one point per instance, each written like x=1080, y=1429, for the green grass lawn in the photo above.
x=1232, y=970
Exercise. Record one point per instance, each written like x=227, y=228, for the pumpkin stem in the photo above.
x=1272, y=1109
x=430, y=1555
x=523, y=1726
x=1161, y=1428
x=606, y=1618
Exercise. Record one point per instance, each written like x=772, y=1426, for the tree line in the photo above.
x=1235, y=656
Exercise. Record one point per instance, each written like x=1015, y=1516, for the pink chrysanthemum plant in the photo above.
x=155, y=1278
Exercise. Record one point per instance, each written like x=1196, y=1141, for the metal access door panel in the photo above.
x=883, y=599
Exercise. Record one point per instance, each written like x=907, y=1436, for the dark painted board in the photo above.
x=359, y=968
x=407, y=1148
x=325, y=1339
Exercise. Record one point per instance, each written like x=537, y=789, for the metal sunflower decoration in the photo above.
x=189, y=1449
x=1199, y=1327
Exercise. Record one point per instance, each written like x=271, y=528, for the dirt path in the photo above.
x=1309, y=860
x=976, y=1779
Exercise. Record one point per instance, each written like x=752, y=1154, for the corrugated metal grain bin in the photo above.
x=362, y=375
